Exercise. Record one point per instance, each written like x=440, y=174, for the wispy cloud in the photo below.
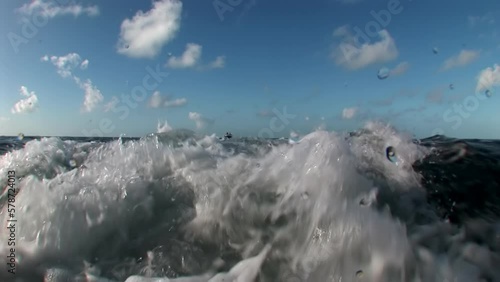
x=400, y=69
x=436, y=95
x=488, y=18
x=111, y=104
x=462, y=59
x=52, y=9
x=159, y=101
x=191, y=58
x=200, y=121
x=488, y=78
x=65, y=64
x=26, y=105
x=92, y=95
x=147, y=33
x=349, y=113
x=352, y=55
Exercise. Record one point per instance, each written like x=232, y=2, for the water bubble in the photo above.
x=383, y=73
x=391, y=154
x=360, y=274
x=72, y=163
x=20, y=136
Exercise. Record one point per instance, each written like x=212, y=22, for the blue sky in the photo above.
x=68, y=68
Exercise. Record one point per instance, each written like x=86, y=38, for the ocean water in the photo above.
x=371, y=205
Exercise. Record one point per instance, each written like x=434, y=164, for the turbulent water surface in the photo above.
x=374, y=205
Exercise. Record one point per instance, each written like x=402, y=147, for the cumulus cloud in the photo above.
x=191, y=58
x=52, y=9
x=147, y=33
x=488, y=78
x=400, y=69
x=464, y=58
x=66, y=64
x=199, y=120
x=93, y=95
x=159, y=101
x=26, y=105
x=349, y=113
x=352, y=55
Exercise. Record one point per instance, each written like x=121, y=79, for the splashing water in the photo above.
x=328, y=208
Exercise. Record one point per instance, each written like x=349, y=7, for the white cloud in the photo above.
x=349, y=113
x=175, y=103
x=84, y=65
x=219, y=62
x=92, y=97
x=488, y=78
x=2, y=119
x=66, y=64
x=200, y=121
x=51, y=9
x=400, y=69
x=145, y=34
x=162, y=128
x=26, y=105
x=156, y=100
x=352, y=55
x=159, y=101
x=189, y=58
x=488, y=18
x=111, y=104
x=464, y=58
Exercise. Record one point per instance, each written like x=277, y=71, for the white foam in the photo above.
x=302, y=200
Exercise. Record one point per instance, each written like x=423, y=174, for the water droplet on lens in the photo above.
x=359, y=273
x=391, y=154
x=20, y=136
x=488, y=93
x=72, y=163
x=383, y=73
x=452, y=86
x=435, y=50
